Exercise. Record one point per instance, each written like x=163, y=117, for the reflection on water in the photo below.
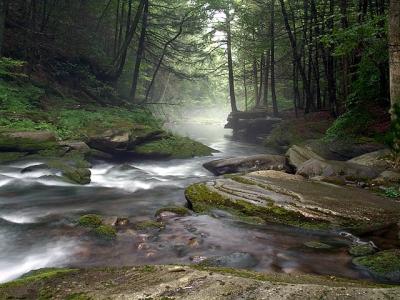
x=38, y=212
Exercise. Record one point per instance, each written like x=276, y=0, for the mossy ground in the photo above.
x=202, y=200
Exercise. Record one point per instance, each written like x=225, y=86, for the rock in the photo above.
x=171, y=212
x=362, y=250
x=11, y=156
x=384, y=265
x=247, y=164
x=116, y=141
x=318, y=245
x=237, y=260
x=76, y=145
x=105, y=232
x=374, y=159
x=329, y=168
x=121, y=222
x=288, y=199
x=90, y=221
x=149, y=224
x=77, y=175
x=389, y=177
x=36, y=168
x=337, y=180
x=27, y=141
x=298, y=155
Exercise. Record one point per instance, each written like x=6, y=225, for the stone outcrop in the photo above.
x=282, y=198
x=298, y=155
x=247, y=164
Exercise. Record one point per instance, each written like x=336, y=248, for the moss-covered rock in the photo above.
x=203, y=199
x=177, y=210
x=318, y=245
x=362, y=250
x=75, y=172
x=149, y=224
x=173, y=147
x=31, y=142
x=105, y=232
x=90, y=221
x=292, y=200
x=384, y=265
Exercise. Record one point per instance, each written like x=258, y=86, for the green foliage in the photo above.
x=19, y=97
x=352, y=123
x=392, y=192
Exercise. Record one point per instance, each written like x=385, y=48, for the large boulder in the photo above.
x=329, y=168
x=298, y=155
x=374, y=159
x=247, y=164
x=27, y=141
x=292, y=200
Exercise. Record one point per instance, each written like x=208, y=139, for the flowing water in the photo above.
x=38, y=213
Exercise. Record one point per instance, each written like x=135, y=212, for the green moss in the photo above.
x=243, y=180
x=202, y=199
x=35, y=276
x=149, y=224
x=90, y=221
x=318, y=245
x=383, y=265
x=105, y=232
x=361, y=250
x=147, y=269
x=173, y=147
x=179, y=210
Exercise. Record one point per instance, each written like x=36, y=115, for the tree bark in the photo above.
x=394, y=52
x=230, y=61
x=273, y=88
x=3, y=10
x=140, y=51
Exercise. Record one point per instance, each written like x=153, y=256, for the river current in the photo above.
x=38, y=213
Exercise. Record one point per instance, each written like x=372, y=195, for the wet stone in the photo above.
x=240, y=260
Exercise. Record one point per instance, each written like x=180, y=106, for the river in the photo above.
x=38, y=214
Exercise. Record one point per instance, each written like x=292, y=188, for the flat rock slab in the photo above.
x=182, y=282
x=247, y=164
x=292, y=200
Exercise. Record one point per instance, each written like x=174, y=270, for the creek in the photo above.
x=38, y=214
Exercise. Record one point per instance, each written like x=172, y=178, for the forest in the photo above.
x=199, y=149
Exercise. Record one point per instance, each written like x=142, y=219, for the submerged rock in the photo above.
x=384, y=265
x=247, y=164
x=282, y=198
x=318, y=245
x=362, y=250
x=239, y=260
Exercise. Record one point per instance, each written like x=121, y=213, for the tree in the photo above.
x=3, y=11
x=230, y=61
x=394, y=52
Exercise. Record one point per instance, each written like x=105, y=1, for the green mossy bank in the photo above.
x=67, y=129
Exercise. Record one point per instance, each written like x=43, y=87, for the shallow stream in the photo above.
x=38, y=214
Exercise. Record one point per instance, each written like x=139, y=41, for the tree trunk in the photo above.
x=245, y=86
x=255, y=83
x=140, y=51
x=394, y=49
x=266, y=77
x=273, y=88
x=230, y=62
x=3, y=10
